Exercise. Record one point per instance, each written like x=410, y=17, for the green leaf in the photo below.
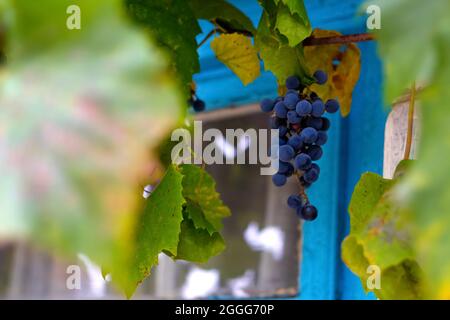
x=236, y=51
x=174, y=26
x=292, y=21
x=197, y=245
x=195, y=213
x=380, y=235
x=158, y=227
x=281, y=59
x=74, y=147
x=200, y=188
x=342, y=77
x=223, y=14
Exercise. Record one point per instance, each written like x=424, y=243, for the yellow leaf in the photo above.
x=237, y=52
x=342, y=76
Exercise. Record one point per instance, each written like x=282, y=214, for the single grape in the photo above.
x=290, y=100
x=293, y=83
x=309, y=135
x=280, y=110
x=303, y=108
x=302, y=161
x=320, y=76
x=315, y=152
x=286, y=153
x=283, y=130
x=282, y=141
x=199, y=105
x=316, y=167
x=295, y=141
x=322, y=138
x=276, y=122
x=316, y=123
x=332, y=106
x=267, y=105
x=311, y=175
x=293, y=117
x=308, y=212
x=294, y=201
x=284, y=167
x=325, y=124
x=279, y=179
x=318, y=108
x=305, y=184
x=313, y=96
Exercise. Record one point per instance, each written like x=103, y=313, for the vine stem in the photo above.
x=409, y=132
x=313, y=41
x=209, y=35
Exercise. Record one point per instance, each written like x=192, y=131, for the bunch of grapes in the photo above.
x=299, y=117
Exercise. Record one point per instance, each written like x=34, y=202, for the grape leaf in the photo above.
x=342, y=77
x=200, y=188
x=236, y=51
x=419, y=52
x=194, y=213
x=292, y=21
x=174, y=26
x=158, y=228
x=222, y=13
x=380, y=235
x=281, y=59
x=197, y=245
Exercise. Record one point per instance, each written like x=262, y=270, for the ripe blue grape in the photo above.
x=279, y=179
x=290, y=100
x=295, y=142
x=286, y=153
x=311, y=175
x=315, y=152
x=294, y=201
x=316, y=123
x=284, y=167
x=283, y=130
x=293, y=117
x=332, y=106
x=325, y=124
x=309, y=135
x=302, y=161
x=199, y=105
x=292, y=83
x=320, y=76
x=303, y=108
x=308, y=212
x=280, y=110
x=322, y=138
x=267, y=105
x=318, y=108
x=316, y=167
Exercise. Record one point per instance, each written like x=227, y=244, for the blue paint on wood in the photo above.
x=355, y=145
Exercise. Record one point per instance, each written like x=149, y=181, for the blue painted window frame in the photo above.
x=355, y=145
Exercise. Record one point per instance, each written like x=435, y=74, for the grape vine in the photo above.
x=299, y=117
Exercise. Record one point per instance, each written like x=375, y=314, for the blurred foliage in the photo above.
x=81, y=110
x=342, y=63
x=414, y=42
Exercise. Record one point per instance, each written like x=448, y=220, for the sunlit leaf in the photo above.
x=236, y=51
x=341, y=63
